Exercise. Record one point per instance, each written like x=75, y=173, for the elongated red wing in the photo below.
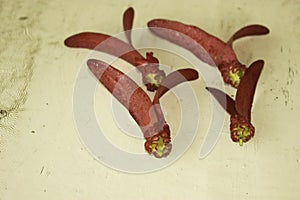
x=224, y=100
x=125, y=90
x=173, y=79
x=106, y=44
x=205, y=46
x=246, y=89
x=250, y=30
x=128, y=18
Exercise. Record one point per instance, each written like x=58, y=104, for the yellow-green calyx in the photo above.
x=241, y=133
x=241, y=130
x=232, y=72
x=154, y=79
x=158, y=147
x=159, y=144
x=235, y=76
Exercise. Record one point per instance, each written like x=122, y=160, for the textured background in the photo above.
x=41, y=155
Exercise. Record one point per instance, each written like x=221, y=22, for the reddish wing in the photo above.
x=246, y=89
x=106, y=44
x=225, y=101
x=174, y=79
x=125, y=90
x=128, y=17
x=248, y=31
x=150, y=119
x=205, y=46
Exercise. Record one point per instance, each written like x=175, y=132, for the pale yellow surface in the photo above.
x=41, y=156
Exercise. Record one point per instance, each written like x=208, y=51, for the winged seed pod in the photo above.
x=241, y=129
x=207, y=47
x=147, y=114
